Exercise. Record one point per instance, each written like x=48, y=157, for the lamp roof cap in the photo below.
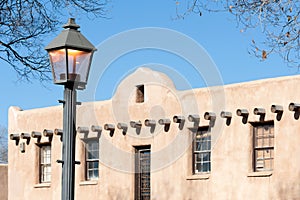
x=71, y=38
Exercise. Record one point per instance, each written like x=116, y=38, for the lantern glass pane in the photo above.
x=79, y=63
x=58, y=63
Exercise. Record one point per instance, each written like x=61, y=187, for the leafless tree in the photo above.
x=3, y=145
x=25, y=23
x=278, y=20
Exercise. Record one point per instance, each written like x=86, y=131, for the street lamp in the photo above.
x=70, y=56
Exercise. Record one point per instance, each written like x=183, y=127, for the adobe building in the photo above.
x=3, y=182
x=151, y=141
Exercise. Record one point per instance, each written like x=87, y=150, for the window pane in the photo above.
x=271, y=131
x=206, y=167
x=88, y=146
x=271, y=153
x=259, y=131
x=92, y=159
x=198, y=146
x=263, y=147
x=271, y=141
x=90, y=174
x=197, y=168
x=90, y=165
x=266, y=129
x=206, y=157
x=202, y=167
x=204, y=144
x=45, y=163
x=202, y=148
x=202, y=162
x=95, y=165
x=97, y=154
x=259, y=154
x=92, y=150
x=260, y=142
x=267, y=154
x=96, y=174
x=77, y=64
x=95, y=146
x=268, y=164
x=58, y=60
x=94, y=154
x=89, y=155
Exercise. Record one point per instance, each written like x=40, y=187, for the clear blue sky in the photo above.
x=217, y=33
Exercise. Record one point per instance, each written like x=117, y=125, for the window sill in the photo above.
x=198, y=177
x=260, y=174
x=94, y=182
x=42, y=185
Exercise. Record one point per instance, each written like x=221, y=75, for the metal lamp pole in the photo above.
x=69, y=142
x=70, y=56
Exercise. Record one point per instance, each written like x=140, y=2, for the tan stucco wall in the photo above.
x=231, y=174
x=3, y=182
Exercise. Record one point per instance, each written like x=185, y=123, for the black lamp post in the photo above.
x=70, y=55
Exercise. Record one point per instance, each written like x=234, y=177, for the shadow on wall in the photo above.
x=284, y=191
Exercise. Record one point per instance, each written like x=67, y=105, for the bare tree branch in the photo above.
x=24, y=24
x=3, y=145
x=278, y=20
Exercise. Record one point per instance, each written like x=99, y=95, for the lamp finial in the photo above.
x=71, y=24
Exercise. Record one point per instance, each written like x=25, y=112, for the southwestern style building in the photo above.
x=151, y=141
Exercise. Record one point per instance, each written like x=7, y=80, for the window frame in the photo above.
x=45, y=165
x=91, y=160
x=258, y=145
x=204, y=132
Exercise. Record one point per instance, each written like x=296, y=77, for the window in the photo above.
x=140, y=94
x=45, y=163
x=263, y=146
x=92, y=159
x=202, y=150
x=143, y=172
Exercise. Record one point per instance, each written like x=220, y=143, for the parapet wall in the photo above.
x=231, y=175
